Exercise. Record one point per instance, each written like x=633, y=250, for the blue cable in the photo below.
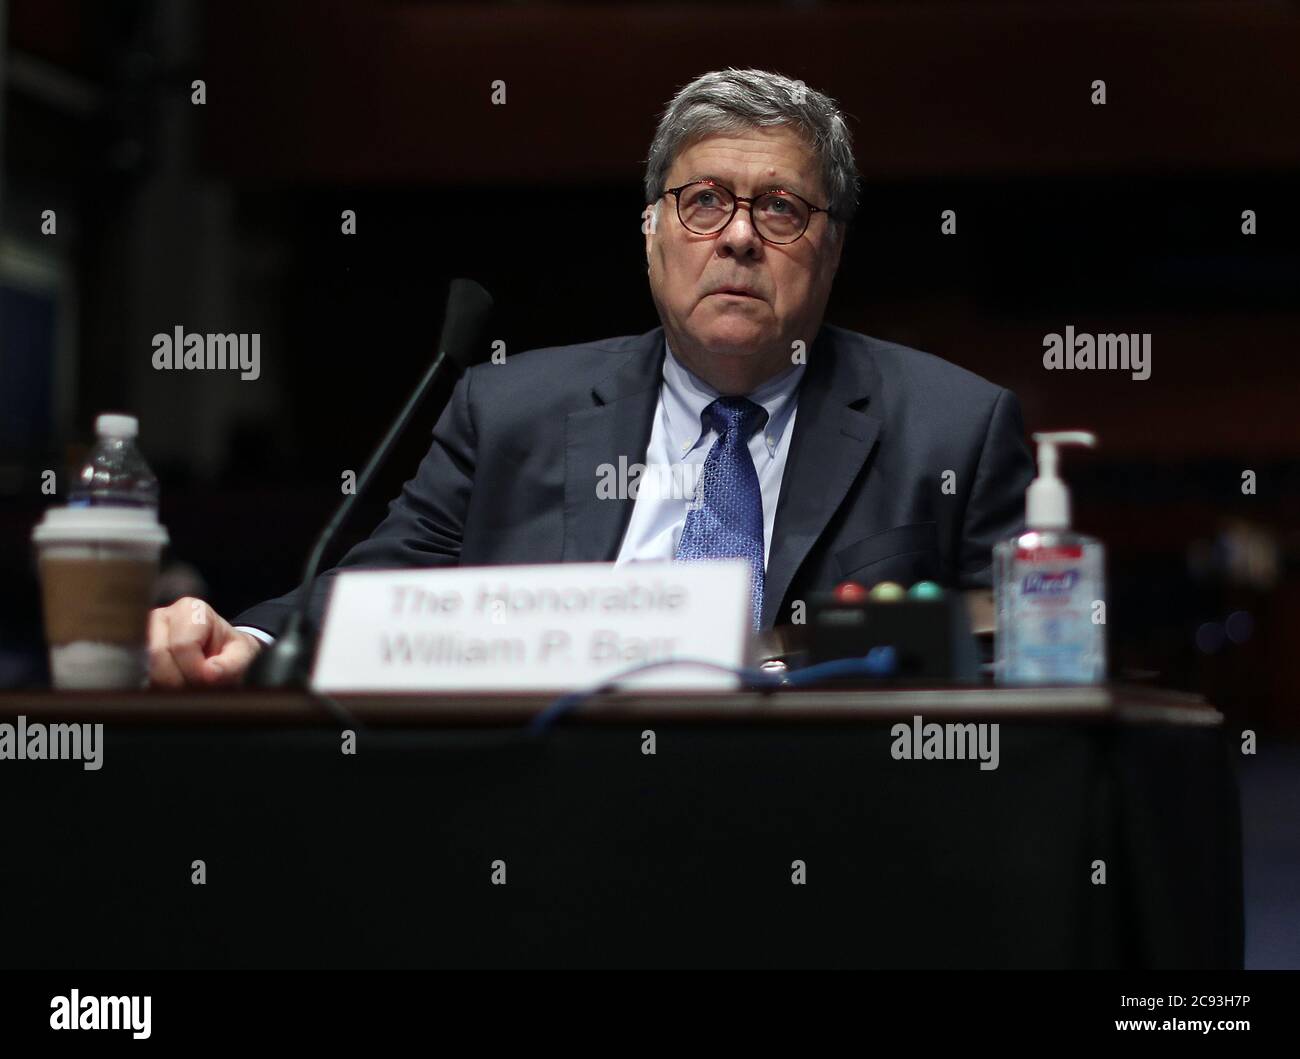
x=881, y=661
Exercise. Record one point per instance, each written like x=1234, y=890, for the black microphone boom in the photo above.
x=285, y=663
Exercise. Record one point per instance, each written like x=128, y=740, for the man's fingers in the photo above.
x=227, y=665
x=163, y=671
x=181, y=638
x=189, y=631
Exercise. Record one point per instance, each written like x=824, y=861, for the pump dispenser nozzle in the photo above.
x=1047, y=501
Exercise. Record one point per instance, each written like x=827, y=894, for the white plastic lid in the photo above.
x=92, y=525
x=1047, y=500
x=113, y=425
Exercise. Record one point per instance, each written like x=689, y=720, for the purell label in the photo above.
x=1042, y=583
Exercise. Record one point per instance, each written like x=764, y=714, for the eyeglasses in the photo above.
x=706, y=207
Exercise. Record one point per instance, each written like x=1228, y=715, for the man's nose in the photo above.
x=739, y=236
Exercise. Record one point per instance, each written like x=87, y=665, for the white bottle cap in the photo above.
x=111, y=425
x=1047, y=501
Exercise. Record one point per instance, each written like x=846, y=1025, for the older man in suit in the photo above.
x=816, y=453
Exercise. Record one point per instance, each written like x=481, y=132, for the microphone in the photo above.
x=285, y=663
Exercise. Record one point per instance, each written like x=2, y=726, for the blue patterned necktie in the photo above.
x=725, y=517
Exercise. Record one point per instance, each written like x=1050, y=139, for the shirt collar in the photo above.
x=685, y=396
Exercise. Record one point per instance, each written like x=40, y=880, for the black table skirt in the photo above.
x=616, y=858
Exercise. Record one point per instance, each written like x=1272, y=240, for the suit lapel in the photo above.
x=617, y=426
x=831, y=442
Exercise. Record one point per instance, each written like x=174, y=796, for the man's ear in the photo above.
x=649, y=219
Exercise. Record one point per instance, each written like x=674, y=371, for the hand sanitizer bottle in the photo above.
x=1049, y=586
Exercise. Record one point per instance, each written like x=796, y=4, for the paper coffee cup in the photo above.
x=98, y=569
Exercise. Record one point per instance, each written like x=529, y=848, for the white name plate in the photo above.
x=549, y=628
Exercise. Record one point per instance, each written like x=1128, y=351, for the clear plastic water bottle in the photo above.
x=115, y=473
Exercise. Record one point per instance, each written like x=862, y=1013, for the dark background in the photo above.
x=226, y=217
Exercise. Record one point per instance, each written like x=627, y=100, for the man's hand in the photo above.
x=191, y=645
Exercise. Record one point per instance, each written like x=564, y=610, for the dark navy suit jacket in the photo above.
x=867, y=495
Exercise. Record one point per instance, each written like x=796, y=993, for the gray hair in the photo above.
x=731, y=101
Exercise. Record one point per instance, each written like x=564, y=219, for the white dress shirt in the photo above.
x=679, y=445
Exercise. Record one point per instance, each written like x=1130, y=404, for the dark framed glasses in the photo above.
x=705, y=207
